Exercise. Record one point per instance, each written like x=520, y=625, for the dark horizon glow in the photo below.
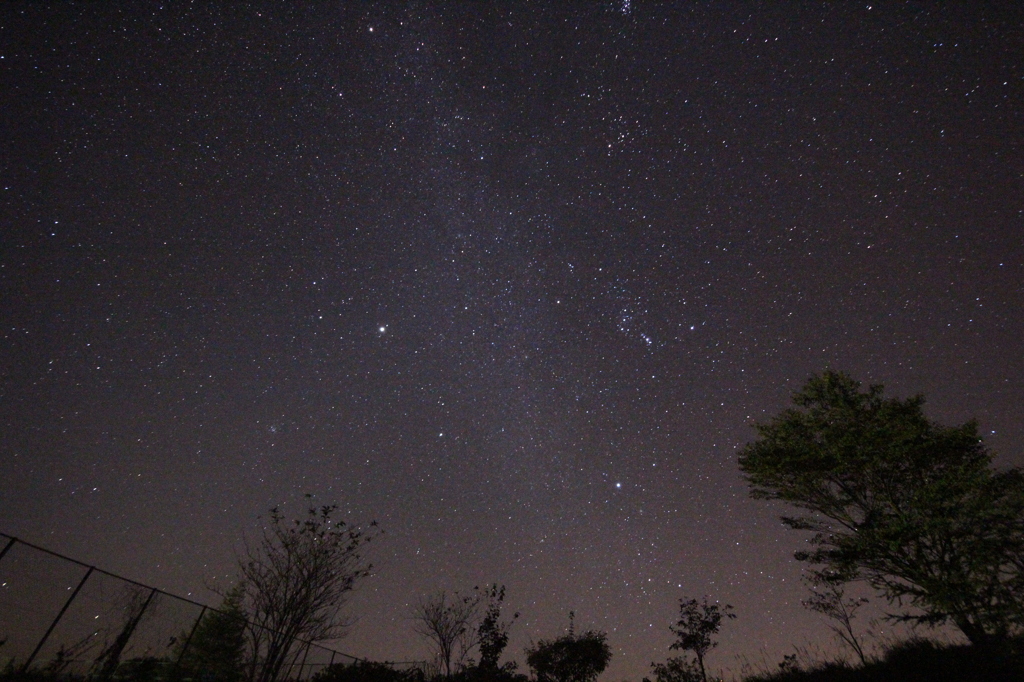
x=512, y=280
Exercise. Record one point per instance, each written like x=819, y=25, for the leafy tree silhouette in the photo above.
x=296, y=580
x=492, y=634
x=446, y=621
x=698, y=623
x=909, y=506
x=828, y=598
x=216, y=650
x=676, y=669
x=571, y=657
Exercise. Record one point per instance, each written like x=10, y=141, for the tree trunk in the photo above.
x=700, y=662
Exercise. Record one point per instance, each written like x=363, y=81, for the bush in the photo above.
x=917, y=660
x=366, y=671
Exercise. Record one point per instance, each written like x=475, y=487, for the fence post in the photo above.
x=303, y=664
x=188, y=640
x=113, y=653
x=8, y=546
x=56, y=620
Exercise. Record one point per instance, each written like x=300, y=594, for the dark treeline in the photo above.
x=910, y=508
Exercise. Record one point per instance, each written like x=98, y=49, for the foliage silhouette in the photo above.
x=698, y=623
x=916, y=660
x=571, y=657
x=455, y=625
x=828, y=598
x=492, y=633
x=216, y=650
x=296, y=580
x=446, y=621
x=504, y=673
x=909, y=506
x=366, y=671
x=676, y=669
x=136, y=601
x=68, y=654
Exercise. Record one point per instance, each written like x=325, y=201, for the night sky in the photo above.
x=513, y=279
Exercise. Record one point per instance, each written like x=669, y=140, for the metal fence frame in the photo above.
x=113, y=652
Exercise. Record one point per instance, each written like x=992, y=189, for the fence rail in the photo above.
x=63, y=617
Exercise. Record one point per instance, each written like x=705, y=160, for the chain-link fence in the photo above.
x=63, y=619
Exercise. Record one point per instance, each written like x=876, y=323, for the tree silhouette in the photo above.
x=698, y=623
x=296, y=580
x=899, y=501
x=216, y=650
x=492, y=633
x=829, y=599
x=446, y=621
x=571, y=657
x=136, y=601
x=676, y=669
x=366, y=671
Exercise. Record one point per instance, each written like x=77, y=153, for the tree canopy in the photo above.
x=493, y=632
x=296, y=580
x=910, y=506
x=216, y=649
x=446, y=621
x=454, y=625
x=570, y=658
x=698, y=623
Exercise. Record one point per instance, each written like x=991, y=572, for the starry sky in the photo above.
x=513, y=279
